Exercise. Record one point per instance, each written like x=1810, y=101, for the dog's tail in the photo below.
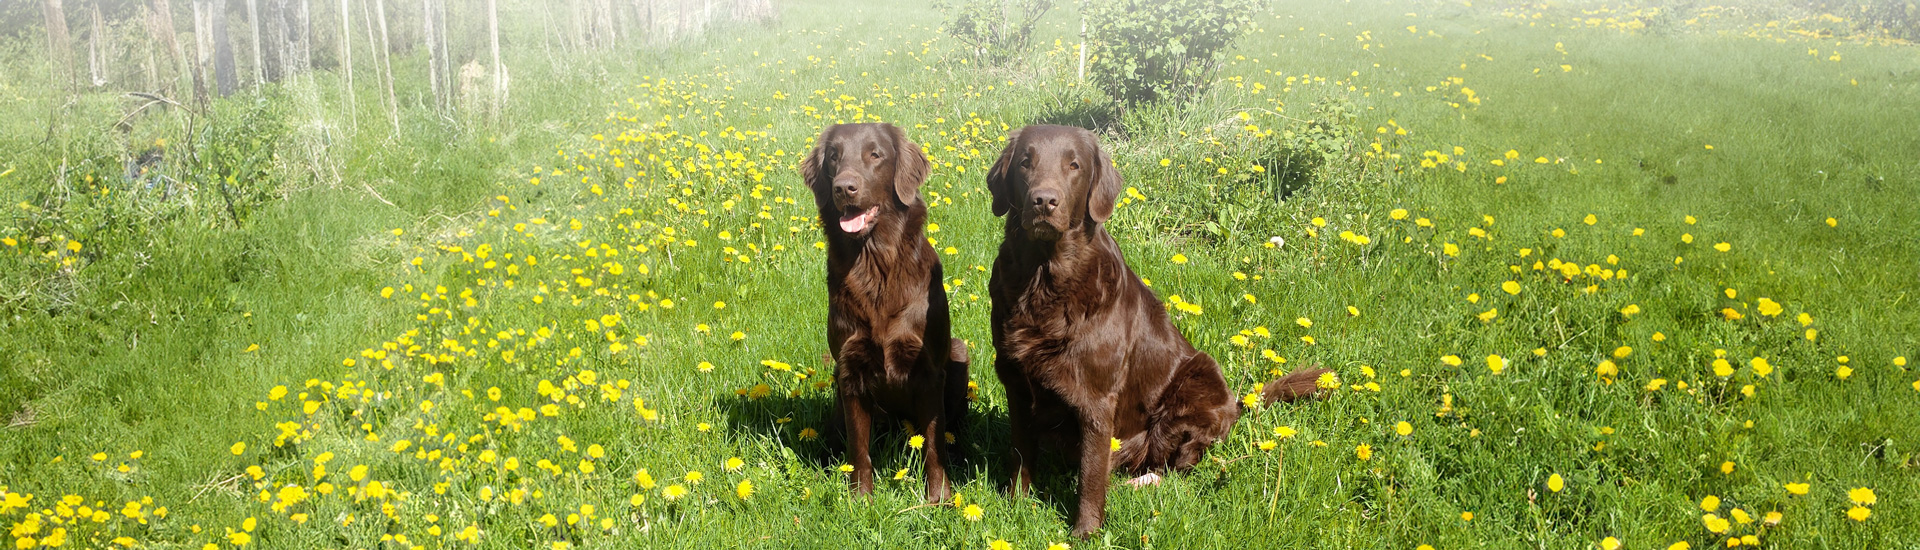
x=1297, y=385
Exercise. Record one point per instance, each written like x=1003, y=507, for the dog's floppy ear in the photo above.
x=1106, y=182
x=997, y=176
x=910, y=166
x=810, y=166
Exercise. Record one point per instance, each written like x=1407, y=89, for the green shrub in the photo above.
x=1896, y=18
x=995, y=31
x=1153, y=50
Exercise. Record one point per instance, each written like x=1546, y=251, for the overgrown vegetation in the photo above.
x=1897, y=18
x=1578, y=287
x=994, y=32
x=1162, y=50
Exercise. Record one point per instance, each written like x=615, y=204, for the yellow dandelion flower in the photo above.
x=1761, y=367
x=1716, y=524
x=1607, y=369
x=1327, y=381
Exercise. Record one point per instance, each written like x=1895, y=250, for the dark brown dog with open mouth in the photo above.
x=887, y=322
x=1086, y=350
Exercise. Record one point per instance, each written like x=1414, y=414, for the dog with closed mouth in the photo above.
x=887, y=320
x=1086, y=351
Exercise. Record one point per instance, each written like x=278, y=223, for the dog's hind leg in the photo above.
x=1196, y=410
x=958, y=389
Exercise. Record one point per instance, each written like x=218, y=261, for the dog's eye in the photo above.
x=875, y=155
x=1074, y=165
x=1026, y=162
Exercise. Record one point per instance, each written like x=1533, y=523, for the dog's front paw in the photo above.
x=1149, y=480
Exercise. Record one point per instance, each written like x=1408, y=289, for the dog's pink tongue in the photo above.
x=856, y=223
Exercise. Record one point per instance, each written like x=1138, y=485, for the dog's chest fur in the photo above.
x=1055, y=300
x=880, y=302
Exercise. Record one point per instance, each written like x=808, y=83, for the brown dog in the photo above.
x=887, y=318
x=1083, y=346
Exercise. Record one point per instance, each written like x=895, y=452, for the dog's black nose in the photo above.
x=847, y=187
x=1045, y=200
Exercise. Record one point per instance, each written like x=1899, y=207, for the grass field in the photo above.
x=1586, y=274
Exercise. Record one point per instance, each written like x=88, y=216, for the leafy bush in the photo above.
x=238, y=151
x=1152, y=50
x=995, y=31
x=1897, y=18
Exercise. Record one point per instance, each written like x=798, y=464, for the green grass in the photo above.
x=142, y=342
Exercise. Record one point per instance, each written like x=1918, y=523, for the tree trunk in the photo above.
x=433, y=57
x=301, y=28
x=373, y=42
x=346, y=60
x=493, y=45
x=59, y=45
x=440, y=49
x=224, y=74
x=202, y=54
x=684, y=19
x=99, y=49
x=163, y=26
x=551, y=34
x=153, y=61
x=624, y=25
x=386, y=63
x=273, y=22
x=651, y=27
x=253, y=26
x=607, y=21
